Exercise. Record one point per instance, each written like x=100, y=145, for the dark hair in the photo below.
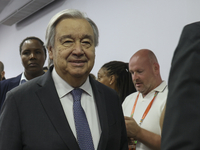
x=124, y=84
x=93, y=76
x=33, y=38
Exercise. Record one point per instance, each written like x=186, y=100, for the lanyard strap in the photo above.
x=147, y=109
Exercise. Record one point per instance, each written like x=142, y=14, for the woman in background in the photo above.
x=116, y=75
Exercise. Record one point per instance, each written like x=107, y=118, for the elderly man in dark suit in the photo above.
x=181, y=123
x=33, y=56
x=65, y=109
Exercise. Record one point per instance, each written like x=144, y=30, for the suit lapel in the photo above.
x=53, y=107
x=102, y=112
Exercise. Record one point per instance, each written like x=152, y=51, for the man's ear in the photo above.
x=112, y=79
x=156, y=68
x=50, y=51
x=3, y=74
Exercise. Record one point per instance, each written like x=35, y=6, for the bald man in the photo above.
x=143, y=108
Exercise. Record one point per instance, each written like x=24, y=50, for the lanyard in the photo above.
x=147, y=109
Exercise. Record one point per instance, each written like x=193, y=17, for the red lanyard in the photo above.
x=147, y=109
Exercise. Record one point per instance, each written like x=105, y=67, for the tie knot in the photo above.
x=76, y=93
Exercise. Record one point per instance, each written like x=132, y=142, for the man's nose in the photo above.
x=134, y=76
x=32, y=56
x=78, y=50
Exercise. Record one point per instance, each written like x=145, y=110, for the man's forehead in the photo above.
x=135, y=59
x=76, y=28
x=74, y=22
x=139, y=63
x=81, y=36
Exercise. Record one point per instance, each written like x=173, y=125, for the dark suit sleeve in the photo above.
x=181, y=128
x=10, y=132
x=113, y=136
x=124, y=139
x=119, y=126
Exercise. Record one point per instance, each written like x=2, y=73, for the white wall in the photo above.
x=125, y=26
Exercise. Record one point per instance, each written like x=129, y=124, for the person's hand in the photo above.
x=131, y=144
x=132, y=127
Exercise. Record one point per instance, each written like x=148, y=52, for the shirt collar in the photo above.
x=161, y=87
x=23, y=78
x=64, y=88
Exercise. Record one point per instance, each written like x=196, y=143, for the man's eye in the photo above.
x=67, y=42
x=38, y=52
x=25, y=53
x=86, y=43
x=140, y=71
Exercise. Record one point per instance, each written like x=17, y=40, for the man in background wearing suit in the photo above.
x=33, y=56
x=46, y=113
x=181, y=123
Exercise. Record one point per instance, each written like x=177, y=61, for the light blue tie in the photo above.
x=84, y=136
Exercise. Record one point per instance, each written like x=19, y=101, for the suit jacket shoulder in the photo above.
x=7, y=85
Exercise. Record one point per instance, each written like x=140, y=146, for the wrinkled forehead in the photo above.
x=74, y=27
x=74, y=23
x=139, y=62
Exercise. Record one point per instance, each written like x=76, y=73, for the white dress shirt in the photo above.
x=22, y=78
x=87, y=102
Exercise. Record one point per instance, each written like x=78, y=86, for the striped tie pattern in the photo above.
x=84, y=136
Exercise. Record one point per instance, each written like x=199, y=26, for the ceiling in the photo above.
x=3, y=4
x=14, y=11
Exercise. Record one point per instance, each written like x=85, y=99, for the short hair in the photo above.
x=32, y=38
x=124, y=84
x=1, y=67
x=92, y=76
x=65, y=14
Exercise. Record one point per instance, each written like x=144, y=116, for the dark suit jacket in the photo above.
x=7, y=85
x=181, y=128
x=32, y=118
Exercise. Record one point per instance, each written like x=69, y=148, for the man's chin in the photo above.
x=34, y=70
x=139, y=90
x=80, y=74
